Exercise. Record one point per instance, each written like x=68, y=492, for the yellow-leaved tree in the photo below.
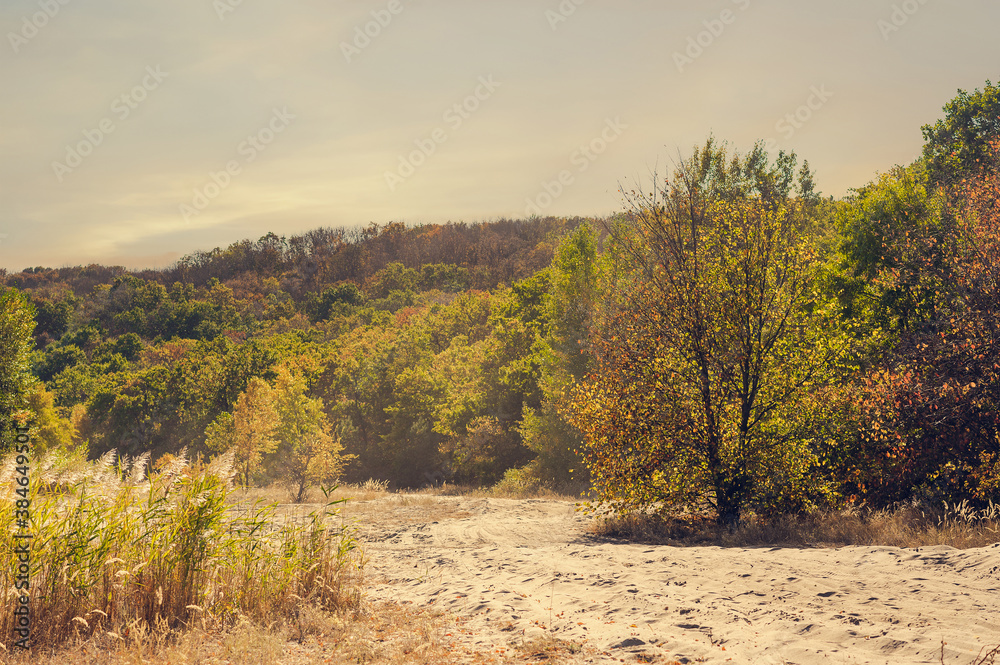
x=309, y=452
x=249, y=430
x=714, y=331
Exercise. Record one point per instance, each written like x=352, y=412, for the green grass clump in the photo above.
x=116, y=551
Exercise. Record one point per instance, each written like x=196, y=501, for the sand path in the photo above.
x=520, y=569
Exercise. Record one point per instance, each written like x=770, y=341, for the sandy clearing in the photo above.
x=517, y=569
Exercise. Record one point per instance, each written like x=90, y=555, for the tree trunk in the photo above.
x=728, y=502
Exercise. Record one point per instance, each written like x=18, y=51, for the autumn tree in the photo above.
x=711, y=330
x=308, y=451
x=929, y=411
x=52, y=430
x=249, y=431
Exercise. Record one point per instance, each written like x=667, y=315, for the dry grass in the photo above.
x=383, y=634
x=280, y=494
x=372, y=504
x=116, y=554
x=563, y=493
x=986, y=657
x=547, y=647
x=371, y=490
x=958, y=526
x=178, y=567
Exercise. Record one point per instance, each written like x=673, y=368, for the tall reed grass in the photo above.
x=115, y=551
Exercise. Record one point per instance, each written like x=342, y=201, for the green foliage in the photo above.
x=444, y=277
x=574, y=295
x=395, y=300
x=250, y=432
x=149, y=360
x=959, y=145
x=928, y=412
x=255, y=424
x=404, y=392
x=462, y=390
x=481, y=456
x=357, y=385
x=394, y=277
x=564, y=359
x=50, y=430
x=86, y=337
x=555, y=442
x=128, y=345
x=220, y=435
x=468, y=315
x=241, y=365
x=333, y=299
x=891, y=229
x=58, y=359
x=53, y=317
x=697, y=350
x=16, y=327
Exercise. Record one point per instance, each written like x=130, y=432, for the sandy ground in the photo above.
x=511, y=571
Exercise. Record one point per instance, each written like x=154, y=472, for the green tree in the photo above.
x=444, y=276
x=17, y=325
x=333, y=299
x=394, y=277
x=358, y=385
x=890, y=227
x=958, y=146
x=220, y=435
x=565, y=360
x=410, y=445
x=54, y=316
x=57, y=359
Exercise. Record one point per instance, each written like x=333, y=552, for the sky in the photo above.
x=134, y=132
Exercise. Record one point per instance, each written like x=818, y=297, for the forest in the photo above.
x=732, y=341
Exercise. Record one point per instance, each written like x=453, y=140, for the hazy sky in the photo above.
x=133, y=132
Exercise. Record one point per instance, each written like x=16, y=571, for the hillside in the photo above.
x=145, y=361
